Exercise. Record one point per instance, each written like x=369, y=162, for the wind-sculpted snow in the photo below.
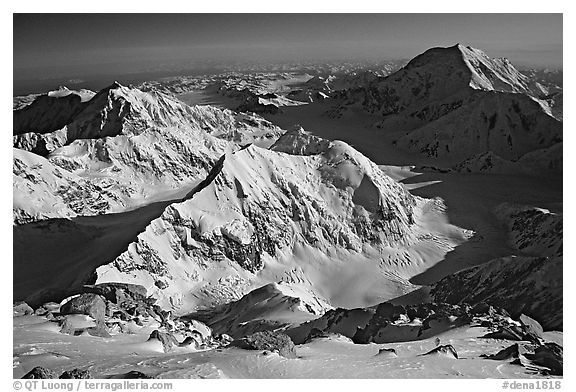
x=270, y=307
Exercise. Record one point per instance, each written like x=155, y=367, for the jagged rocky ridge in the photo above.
x=546, y=161
x=388, y=323
x=533, y=231
x=529, y=285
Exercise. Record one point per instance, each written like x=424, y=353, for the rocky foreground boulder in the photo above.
x=549, y=355
x=511, y=352
x=76, y=374
x=22, y=309
x=133, y=374
x=268, y=340
x=389, y=323
x=447, y=351
x=112, y=308
x=394, y=323
x=89, y=304
x=547, y=358
x=167, y=339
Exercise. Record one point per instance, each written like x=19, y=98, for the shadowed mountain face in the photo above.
x=67, y=251
x=522, y=285
x=50, y=112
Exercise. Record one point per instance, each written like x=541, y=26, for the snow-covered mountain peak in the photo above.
x=474, y=68
x=119, y=109
x=257, y=207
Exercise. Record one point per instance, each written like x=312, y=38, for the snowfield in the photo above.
x=333, y=357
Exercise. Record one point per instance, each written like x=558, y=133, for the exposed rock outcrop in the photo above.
x=447, y=351
x=76, y=374
x=40, y=372
x=268, y=340
x=89, y=304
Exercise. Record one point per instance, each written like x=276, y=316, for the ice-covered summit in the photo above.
x=468, y=66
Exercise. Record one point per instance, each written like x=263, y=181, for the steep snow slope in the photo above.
x=43, y=190
x=334, y=221
x=120, y=110
x=273, y=306
x=54, y=258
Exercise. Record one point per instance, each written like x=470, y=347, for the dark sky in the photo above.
x=57, y=44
